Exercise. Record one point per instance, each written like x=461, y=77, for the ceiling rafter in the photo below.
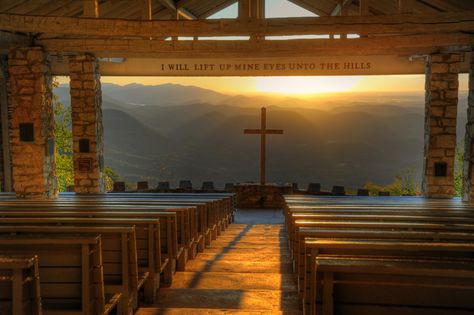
x=341, y=6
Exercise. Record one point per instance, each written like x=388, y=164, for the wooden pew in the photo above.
x=119, y=257
x=312, y=222
x=156, y=247
x=394, y=248
x=78, y=263
x=187, y=217
x=373, y=285
x=173, y=252
x=19, y=285
x=225, y=202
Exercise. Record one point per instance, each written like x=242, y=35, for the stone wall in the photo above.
x=87, y=128
x=468, y=170
x=32, y=123
x=256, y=196
x=440, y=124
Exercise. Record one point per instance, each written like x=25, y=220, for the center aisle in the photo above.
x=247, y=270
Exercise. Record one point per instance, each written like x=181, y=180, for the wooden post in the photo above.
x=6, y=157
x=244, y=9
x=147, y=10
x=90, y=8
x=364, y=7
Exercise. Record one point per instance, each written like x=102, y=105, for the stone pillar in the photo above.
x=441, y=101
x=87, y=129
x=468, y=169
x=32, y=123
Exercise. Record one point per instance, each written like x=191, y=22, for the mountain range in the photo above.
x=172, y=132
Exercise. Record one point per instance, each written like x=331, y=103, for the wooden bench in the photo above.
x=398, y=229
x=300, y=253
x=373, y=285
x=170, y=251
x=187, y=217
x=387, y=248
x=156, y=248
x=119, y=256
x=77, y=262
x=19, y=285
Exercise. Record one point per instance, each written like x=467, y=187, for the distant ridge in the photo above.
x=346, y=140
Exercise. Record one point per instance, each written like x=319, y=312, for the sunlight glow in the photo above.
x=306, y=85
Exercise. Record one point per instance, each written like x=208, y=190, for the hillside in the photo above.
x=175, y=132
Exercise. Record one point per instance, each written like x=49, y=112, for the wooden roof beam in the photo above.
x=409, y=44
x=388, y=24
x=184, y=13
x=8, y=39
x=363, y=7
x=91, y=8
x=341, y=7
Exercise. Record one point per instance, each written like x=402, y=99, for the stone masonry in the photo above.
x=87, y=128
x=440, y=124
x=32, y=123
x=468, y=170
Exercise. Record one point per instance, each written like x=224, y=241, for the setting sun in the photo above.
x=306, y=85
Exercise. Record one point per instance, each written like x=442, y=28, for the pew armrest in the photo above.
x=112, y=303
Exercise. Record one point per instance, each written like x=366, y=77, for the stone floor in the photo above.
x=246, y=271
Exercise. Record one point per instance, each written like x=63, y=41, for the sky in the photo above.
x=287, y=85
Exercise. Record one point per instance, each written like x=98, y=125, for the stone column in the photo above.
x=468, y=169
x=32, y=123
x=441, y=101
x=87, y=129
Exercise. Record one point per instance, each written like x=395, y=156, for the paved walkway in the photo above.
x=246, y=271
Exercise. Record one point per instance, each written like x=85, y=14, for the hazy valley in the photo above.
x=173, y=132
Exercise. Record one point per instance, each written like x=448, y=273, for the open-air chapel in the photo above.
x=254, y=248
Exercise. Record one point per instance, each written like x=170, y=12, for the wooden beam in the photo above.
x=147, y=10
x=410, y=44
x=90, y=8
x=245, y=9
x=9, y=40
x=405, y=6
x=390, y=24
x=364, y=7
x=340, y=8
x=182, y=12
x=257, y=9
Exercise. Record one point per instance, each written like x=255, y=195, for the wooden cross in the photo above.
x=263, y=132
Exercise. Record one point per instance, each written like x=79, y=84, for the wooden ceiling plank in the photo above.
x=393, y=24
x=185, y=3
x=168, y=4
x=6, y=6
x=90, y=8
x=405, y=6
